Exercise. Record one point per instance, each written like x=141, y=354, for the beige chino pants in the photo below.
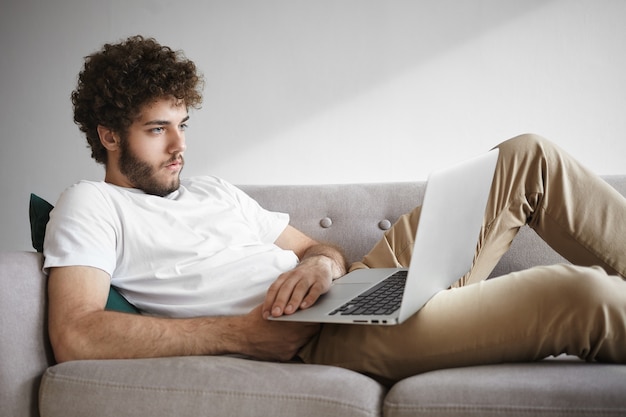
x=522, y=316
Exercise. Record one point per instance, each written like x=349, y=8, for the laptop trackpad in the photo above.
x=344, y=291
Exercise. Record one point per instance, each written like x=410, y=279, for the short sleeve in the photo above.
x=81, y=230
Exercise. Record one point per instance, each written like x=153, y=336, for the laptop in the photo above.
x=445, y=244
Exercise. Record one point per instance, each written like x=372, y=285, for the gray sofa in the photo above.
x=353, y=216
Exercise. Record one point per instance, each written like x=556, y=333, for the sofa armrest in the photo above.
x=25, y=352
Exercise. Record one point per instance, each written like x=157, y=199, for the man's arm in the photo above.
x=319, y=265
x=80, y=328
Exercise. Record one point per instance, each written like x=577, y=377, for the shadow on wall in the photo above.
x=258, y=56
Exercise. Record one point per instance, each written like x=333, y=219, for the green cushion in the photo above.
x=39, y=213
x=116, y=302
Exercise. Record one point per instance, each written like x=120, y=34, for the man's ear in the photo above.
x=109, y=139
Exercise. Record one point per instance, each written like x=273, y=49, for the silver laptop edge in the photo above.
x=451, y=217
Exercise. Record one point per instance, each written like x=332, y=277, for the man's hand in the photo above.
x=301, y=287
x=270, y=340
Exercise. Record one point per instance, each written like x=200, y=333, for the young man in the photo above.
x=208, y=265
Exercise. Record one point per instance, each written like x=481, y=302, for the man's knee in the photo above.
x=525, y=144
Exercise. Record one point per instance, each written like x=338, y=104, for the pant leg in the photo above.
x=523, y=316
x=573, y=210
x=394, y=250
x=535, y=183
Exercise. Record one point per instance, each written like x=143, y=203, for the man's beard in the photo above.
x=142, y=175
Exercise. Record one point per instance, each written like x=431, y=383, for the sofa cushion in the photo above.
x=546, y=388
x=216, y=386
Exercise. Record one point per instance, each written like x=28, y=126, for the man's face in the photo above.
x=151, y=153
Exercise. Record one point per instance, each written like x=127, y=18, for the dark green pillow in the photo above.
x=39, y=212
x=116, y=302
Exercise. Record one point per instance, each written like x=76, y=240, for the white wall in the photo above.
x=324, y=91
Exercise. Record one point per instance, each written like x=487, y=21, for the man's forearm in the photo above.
x=107, y=334
x=112, y=335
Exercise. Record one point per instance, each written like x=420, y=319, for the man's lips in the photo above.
x=174, y=165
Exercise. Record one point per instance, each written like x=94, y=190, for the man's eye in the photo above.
x=183, y=127
x=157, y=130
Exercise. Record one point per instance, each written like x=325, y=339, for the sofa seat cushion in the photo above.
x=216, y=386
x=547, y=388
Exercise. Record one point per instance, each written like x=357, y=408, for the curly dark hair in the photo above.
x=117, y=81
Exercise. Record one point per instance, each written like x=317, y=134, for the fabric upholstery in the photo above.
x=24, y=348
x=548, y=388
x=195, y=386
x=348, y=215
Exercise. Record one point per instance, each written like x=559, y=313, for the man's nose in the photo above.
x=177, y=141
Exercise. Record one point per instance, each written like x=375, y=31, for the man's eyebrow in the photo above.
x=163, y=122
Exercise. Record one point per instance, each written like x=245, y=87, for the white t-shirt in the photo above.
x=206, y=249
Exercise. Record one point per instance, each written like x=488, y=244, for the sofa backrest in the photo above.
x=353, y=216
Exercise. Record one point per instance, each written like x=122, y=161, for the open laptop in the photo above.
x=445, y=244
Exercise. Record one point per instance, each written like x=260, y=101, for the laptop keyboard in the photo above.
x=382, y=299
